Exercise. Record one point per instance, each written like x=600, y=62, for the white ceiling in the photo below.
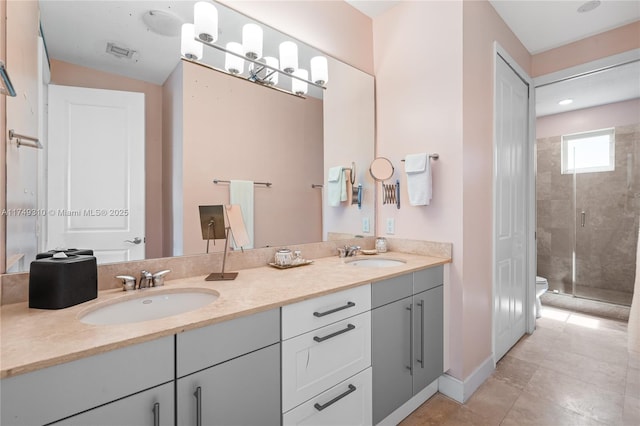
x=77, y=32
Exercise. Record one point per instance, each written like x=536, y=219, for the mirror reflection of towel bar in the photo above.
x=431, y=156
x=20, y=140
x=267, y=184
x=317, y=185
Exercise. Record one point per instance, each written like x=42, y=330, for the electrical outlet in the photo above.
x=391, y=225
x=365, y=225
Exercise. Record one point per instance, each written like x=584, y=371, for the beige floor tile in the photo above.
x=576, y=395
x=466, y=417
x=530, y=352
x=531, y=410
x=514, y=372
x=434, y=412
x=493, y=400
x=607, y=375
x=631, y=413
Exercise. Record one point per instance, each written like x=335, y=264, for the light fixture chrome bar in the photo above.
x=35, y=143
x=256, y=62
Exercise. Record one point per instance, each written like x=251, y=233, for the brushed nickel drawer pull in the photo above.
x=337, y=333
x=321, y=407
x=321, y=314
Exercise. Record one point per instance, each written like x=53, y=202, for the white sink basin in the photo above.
x=150, y=306
x=375, y=262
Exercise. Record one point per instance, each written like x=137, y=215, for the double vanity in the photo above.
x=333, y=342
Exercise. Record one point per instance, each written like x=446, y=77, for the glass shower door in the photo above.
x=606, y=219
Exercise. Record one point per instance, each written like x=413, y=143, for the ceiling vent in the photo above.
x=119, y=51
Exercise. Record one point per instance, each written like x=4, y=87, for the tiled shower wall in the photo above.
x=606, y=245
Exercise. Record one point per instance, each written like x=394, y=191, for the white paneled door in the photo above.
x=511, y=169
x=96, y=172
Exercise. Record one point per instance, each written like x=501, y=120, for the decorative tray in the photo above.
x=306, y=262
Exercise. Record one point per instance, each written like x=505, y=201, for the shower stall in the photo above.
x=588, y=209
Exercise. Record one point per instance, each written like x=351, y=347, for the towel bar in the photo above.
x=32, y=142
x=267, y=184
x=432, y=156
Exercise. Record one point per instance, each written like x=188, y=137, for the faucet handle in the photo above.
x=128, y=282
x=158, y=278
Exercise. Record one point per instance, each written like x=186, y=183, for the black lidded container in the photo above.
x=57, y=283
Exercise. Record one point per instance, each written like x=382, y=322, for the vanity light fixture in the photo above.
x=263, y=70
x=319, y=70
x=252, y=41
x=300, y=87
x=189, y=47
x=205, y=19
x=288, y=56
x=234, y=64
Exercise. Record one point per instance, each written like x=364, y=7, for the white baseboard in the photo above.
x=410, y=406
x=462, y=390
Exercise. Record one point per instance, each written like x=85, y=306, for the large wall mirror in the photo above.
x=199, y=125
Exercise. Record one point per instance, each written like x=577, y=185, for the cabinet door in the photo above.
x=427, y=337
x=152, y=407
x=391, y=357
x=347, y=403
x=242, y=391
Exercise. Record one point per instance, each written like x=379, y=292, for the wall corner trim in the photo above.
x=460, y=390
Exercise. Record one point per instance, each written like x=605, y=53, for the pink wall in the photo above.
x=64, y=73
x=433, y=63
x=333, y=27
x=482, y=26
x=599, y=46
x=583, y=120
x=234, y=129
x=3, y=140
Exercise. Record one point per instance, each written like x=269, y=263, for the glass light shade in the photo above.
x=273, y=63
x=300, y=87
x=205, y=19
x=232, y=63
x=252, y=41
x=319, y=70
x=190, y=48
x=288, y=56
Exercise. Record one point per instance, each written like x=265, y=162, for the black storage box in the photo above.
x=68, y=252
x=56, y=283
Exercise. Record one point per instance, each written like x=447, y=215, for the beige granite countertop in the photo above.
x=33, y=339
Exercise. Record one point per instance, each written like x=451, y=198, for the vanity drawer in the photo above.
x=427, y=279
x=311, y=314
x=347, y=403
x=314, y=362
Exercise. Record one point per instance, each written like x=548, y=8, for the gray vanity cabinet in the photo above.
x=229, y=373
x=151, y=407
x=407, y=337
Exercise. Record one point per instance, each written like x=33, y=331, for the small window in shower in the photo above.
x=588, y=152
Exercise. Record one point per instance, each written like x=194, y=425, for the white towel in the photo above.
x=418, y=170
x=335, y=186
x=241, y=192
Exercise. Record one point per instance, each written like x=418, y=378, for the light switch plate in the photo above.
x=366, y=225
x=391, y=225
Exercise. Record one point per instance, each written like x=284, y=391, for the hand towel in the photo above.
x=241, y=192
x=418, y=170
x=335, y=183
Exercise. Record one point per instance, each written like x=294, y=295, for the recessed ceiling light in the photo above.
x=565, y=102
x=162, y=22
x=589, y=6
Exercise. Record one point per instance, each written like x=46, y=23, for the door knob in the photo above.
x=136, y=240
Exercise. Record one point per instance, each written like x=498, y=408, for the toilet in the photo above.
x=542, y=285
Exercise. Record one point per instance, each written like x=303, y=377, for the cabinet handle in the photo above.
x=321, y=407
x=321, y=314
x=198, y=395
x=156, y=414
x=410, y=366
x=337, y=333
x=421, y=360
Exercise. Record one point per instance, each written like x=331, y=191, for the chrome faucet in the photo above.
x=146, y=279
x=351, y=250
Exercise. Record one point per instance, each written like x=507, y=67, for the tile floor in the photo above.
x=573, y=370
